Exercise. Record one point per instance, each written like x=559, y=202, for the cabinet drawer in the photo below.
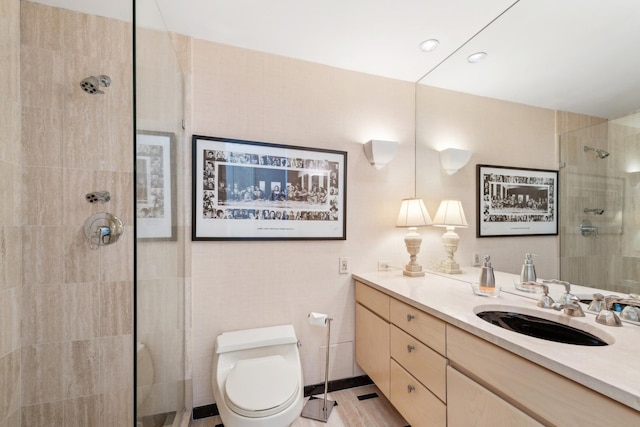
x=424, y=364
x=374, y=300
x=414, y=401
x=533, y=389
x=426, y=328
x=470, y=404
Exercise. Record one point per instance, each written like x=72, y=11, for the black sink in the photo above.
x=540, y=328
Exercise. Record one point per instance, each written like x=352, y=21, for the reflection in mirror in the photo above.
x=571, y=86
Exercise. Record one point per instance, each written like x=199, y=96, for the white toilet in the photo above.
x=257, y=377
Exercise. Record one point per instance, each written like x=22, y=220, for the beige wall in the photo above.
x=10, y=220
x=254, y=96
x=498, y=133
x=77, y=308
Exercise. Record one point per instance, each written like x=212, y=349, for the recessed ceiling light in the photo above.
x=476, y=57
x=429, y=45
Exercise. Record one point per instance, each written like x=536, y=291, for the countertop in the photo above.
x=612, y=370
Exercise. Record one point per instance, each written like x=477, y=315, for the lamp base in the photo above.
x=450, y=267
x=413, y=273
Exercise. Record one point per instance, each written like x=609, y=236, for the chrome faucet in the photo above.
x=571, y=308
x=609, y=317
x=545, y=300
x=567, y=297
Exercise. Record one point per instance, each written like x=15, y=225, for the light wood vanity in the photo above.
x=439, y=365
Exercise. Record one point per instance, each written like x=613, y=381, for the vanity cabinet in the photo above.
x=415, y=378
x=437, y=374
x=372, y=335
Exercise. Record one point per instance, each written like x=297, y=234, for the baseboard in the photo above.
x=309, y=390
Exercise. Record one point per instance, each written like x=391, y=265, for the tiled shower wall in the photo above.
x=77, y=311
x=10, y=219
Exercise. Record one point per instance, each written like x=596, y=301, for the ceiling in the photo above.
x=572, y=55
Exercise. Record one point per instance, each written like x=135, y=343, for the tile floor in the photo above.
x=350, y=411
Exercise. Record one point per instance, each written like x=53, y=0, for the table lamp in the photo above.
x=451, y=215
x=413, y=214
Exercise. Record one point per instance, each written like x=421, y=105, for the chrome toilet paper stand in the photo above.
x=320, y=409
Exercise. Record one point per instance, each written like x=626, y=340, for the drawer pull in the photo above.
x=410, y=317
x=410, y=348
x=410, y=388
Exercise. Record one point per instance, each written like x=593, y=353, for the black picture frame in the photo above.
x=515, y=201
x=249, y=190
x=155, y=186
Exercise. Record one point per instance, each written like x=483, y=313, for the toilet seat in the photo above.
x=261, y=386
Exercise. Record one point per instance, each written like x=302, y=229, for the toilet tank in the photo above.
x=255, y=338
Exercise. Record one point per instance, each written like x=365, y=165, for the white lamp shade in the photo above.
x=450, y=214
x=453, y=159
x=379, y=153
x=413, y=213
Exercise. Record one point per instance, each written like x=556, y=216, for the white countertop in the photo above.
x=612, y=370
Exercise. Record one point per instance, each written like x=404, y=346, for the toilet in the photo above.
x=257, y=377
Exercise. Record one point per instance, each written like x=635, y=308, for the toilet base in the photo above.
x=316, y=410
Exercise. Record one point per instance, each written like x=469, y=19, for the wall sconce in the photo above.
x=451, y=215
x=413, y=214
x=453, y=159
x=379, y=153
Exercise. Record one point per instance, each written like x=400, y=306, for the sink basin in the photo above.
x=538, y=327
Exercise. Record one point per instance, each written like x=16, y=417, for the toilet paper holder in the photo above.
x=317, y=409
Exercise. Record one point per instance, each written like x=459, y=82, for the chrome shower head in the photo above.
x=92, y=84
x=594, y=211
x=602, y=154
x=98, y=196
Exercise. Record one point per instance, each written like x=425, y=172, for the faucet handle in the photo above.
x=545, y=300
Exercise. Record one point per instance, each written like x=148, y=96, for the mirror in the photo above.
x=572, y=60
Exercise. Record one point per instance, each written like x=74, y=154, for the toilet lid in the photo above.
x=261, y=386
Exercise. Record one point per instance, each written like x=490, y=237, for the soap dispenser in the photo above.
x=528, y=273
x=487, y=282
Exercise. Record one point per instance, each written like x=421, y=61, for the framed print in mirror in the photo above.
x=155, y=186
x=516, y=201
x=247, y=190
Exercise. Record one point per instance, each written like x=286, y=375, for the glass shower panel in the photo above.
x=599, y=205
x=160, y=243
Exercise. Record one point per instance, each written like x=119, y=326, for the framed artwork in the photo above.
x=516, y=201
x=155, y=186
x=247, y=190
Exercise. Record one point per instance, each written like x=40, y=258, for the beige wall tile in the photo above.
x=81, y=264
x=45, y=414
x=10, y=257
x=10, y=193
x=42, y=137
x=81, y=311
x=10, y=383
x=83, y=411
x=43, y=314
x=43, y=255
x=41, y=26
x=116, y=308
x=10, y=309
x=42, y=207
x=44, y=382
x=81, y=368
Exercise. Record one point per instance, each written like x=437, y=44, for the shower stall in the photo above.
x=600, y=205
x=161, y=306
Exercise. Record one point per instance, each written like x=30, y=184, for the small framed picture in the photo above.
x=516, y=201
x=247, y=190
x=155, y=186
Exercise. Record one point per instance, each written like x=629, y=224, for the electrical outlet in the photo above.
x=476, y=259
x=383, y=265
x=343, y=266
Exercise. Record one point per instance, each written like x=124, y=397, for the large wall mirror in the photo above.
x=572, y=56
